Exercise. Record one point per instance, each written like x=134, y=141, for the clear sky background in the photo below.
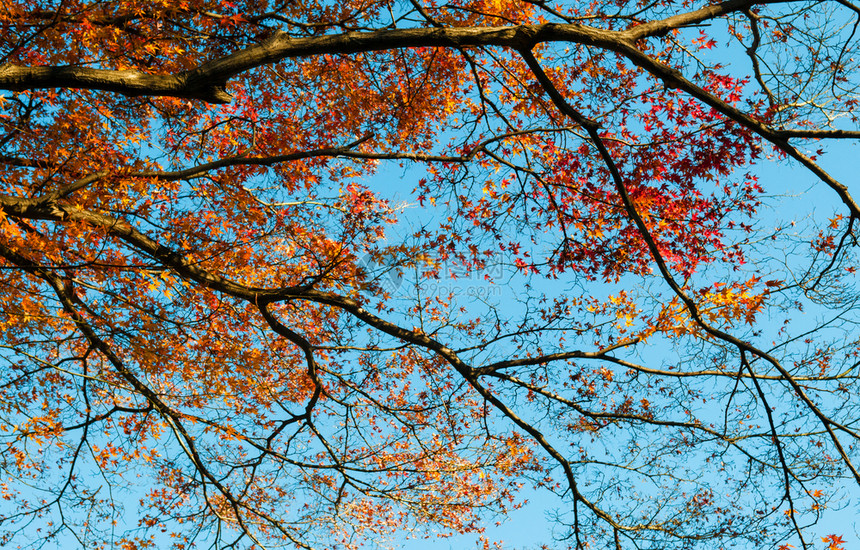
x=794, y=194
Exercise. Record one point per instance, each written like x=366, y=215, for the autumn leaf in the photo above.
x=834, y=542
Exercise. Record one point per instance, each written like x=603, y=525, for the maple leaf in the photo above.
x=834, y=542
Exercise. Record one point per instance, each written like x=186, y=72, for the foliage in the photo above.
x=215, y=303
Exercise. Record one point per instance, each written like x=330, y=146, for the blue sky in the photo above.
x=792, y=195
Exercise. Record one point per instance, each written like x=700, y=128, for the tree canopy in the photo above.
x=316, y=274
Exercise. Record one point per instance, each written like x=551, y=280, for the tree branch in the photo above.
x=208, y=81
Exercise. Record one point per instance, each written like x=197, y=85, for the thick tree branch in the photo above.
x=208, y=81
x=128, y=82
x=663, y=26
